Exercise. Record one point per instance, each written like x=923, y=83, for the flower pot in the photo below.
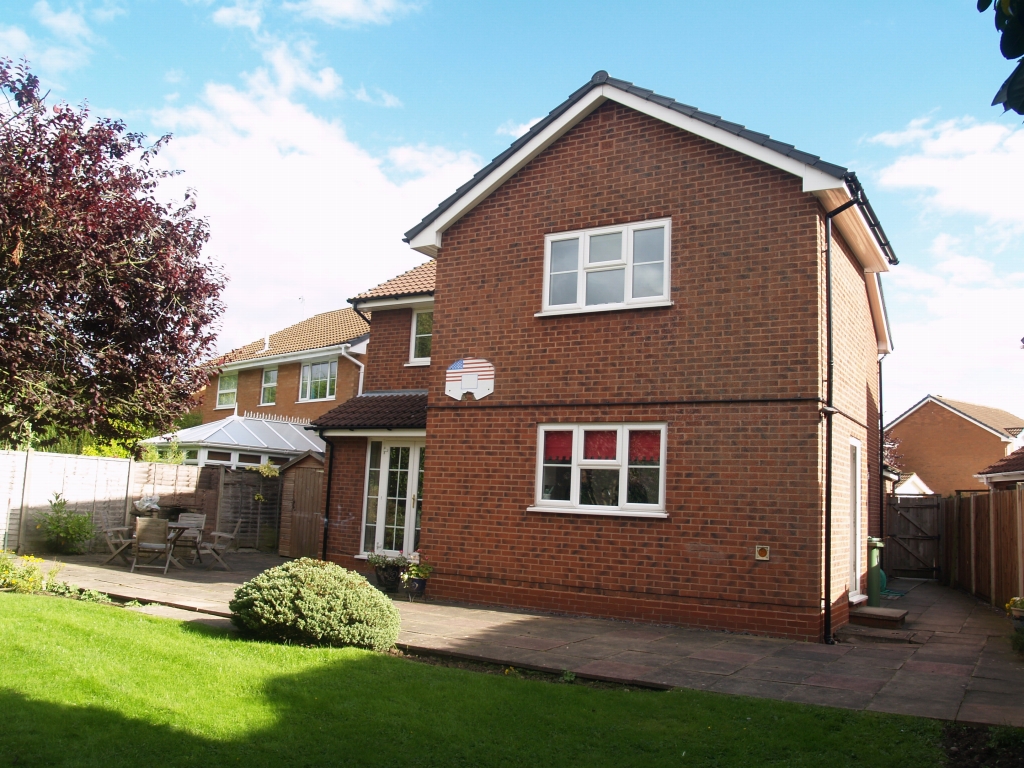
x=415, y=587
x=1018, y=617
x=388, y=577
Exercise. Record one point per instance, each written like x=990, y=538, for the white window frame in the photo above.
x=308, y=365
x=221, y=391
x=572, y=506
x=264, y=386
x=856, y=516
x=417, y=448
x=626, y=263
x=413, y=360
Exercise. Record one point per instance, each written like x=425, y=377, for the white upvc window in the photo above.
x=227, y=390
x=422, y=335
x=393, y=502
x=594, y=270
x=268, y=393
x=318, y=381
x=601, y=469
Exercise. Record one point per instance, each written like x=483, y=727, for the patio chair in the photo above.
x=193, y=537
x=151, y=539
x=118, y=538
x=219, y=543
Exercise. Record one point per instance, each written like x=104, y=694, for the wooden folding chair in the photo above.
x=219, y=543
x=118, y=540
x=151, y=539
x=193, y=537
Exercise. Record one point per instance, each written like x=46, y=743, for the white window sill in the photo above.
x=417, y=363
x=266, y=405
x=856, y=599
x=600, y=308
x=318, y=400
x=600, y=512
x=224, y=407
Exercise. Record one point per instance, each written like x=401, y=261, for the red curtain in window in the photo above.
x=644, y=447
x=600, y=445
x=557, y=446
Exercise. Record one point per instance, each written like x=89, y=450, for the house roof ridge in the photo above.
x=602, y=78
x=982, y=415
x=324, y=329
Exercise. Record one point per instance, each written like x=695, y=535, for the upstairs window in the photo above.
x=268, y=394
x=318, y=381
x=612, y=469
x=422, y=332
x=607, y=268
x=227, y=389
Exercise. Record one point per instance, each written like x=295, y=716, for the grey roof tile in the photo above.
x=603, y=78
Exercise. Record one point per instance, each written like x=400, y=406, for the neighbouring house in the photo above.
x=909, y=484
x=300, y=372
x=241, y=441
x=1004, y=474
x=946, y=442
x=606, y=394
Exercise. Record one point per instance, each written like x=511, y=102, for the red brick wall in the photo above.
x=250, y=383
x=345, y=505
x=388, y=352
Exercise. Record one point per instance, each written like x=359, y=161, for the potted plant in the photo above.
x=1016, y=609
x=388, y=570
x=415, y=577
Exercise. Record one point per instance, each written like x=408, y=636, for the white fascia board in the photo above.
x=876, y=302
x=415, y=302
x=951, y=409
x=854, y=228
x=395, y=434
x=1001, y=477
x=289, y=357
x=428, y=241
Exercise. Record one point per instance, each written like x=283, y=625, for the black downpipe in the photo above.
x=327, y=502
x=829, y=410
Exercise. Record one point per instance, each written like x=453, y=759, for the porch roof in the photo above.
x=1012, y=463
x=402, y=409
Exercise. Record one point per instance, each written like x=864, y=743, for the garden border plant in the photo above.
x=66, y=531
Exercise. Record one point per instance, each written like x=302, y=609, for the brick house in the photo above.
x=650, y=286
x=947, y=443
x=299, y=373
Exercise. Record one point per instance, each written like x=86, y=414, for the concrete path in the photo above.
x=957, y=664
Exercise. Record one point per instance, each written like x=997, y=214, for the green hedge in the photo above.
x=311, y=602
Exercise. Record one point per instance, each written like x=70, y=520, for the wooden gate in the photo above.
x=302, y=499
x=912, y=537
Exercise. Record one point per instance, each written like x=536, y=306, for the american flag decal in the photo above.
x=471, y=374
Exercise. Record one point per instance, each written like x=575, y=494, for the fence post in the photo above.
x=220, y=497
x=25, y=483
x=954, y=564
x=1020, y=539
x=974, y=552
x=992, y=545
x=128, y=493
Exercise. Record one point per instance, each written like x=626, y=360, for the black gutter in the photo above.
x=355, y=308
x=327, y=502
x=829, y=411
x=860, y=197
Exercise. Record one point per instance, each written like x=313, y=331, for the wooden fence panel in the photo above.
x=12, y=483
x=984, y=544
x=252, y=502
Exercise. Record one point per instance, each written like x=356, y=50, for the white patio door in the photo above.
x=394, y=491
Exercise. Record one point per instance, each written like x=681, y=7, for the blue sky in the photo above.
x=317, y=131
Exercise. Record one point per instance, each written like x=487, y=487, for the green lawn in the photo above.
x=84, y=684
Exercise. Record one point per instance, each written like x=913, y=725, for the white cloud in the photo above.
x=296, y=208
x=352, y=11
x=514, y=129
x=959, y=331
x=292, y=65
x=961, y=166
x=65, y=24
x=174, y=76
x=381, y=99
x=241, y=14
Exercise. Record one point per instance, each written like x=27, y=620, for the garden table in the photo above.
x=174, y=532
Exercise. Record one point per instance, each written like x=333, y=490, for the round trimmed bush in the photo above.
x=311, y=602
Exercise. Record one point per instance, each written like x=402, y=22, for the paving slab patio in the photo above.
x=959, y=665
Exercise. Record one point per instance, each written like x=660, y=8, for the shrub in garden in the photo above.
x=66, y=531
x=23, y=577
x=311, y=602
